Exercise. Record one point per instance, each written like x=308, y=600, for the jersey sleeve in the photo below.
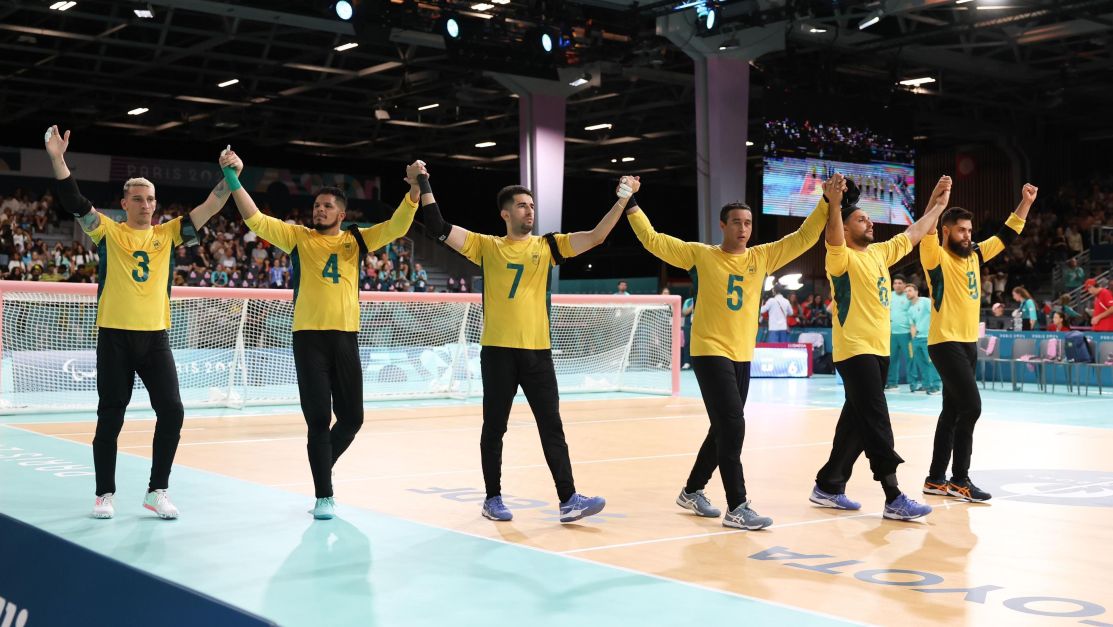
x=275, y=231
x=837, y=259
x=930, y=252
x=564, y=245
x=673, y=251
x=385, y=232
x=895, y=249
x=994, y=245
x=174, y=230
x=104, y=224
x=793, y=245
x=473, y=247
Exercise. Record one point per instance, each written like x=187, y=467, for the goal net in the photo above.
x=232, y=347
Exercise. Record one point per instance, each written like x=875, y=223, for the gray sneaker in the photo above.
x=698, y=503
x=742, y=517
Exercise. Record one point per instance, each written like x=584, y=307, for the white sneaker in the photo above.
x=104, y=508
x=158, y=502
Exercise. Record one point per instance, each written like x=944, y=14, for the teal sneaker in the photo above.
x=324, y=509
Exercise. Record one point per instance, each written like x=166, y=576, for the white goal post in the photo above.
x=232, y=346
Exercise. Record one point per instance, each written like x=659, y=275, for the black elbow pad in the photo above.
x=70, y=199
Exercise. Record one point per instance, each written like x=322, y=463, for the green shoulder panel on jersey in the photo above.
x=936, y=286
x=842, y=295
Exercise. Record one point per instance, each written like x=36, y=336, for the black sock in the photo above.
x=891, y=493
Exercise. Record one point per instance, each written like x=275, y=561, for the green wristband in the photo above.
x=231, y=178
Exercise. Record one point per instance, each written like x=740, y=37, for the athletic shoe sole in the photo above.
x=829, y=504
x=930, y=489
x=891, y=516
x=162, y=516
x=691, y=506
x=965, y=497
x=738, y=525
x=489, y=516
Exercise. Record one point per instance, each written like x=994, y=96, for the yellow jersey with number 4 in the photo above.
x=516, y=286
x=325, y=268
x=134, y=274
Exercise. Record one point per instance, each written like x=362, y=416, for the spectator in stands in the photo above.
x=1058, y=323
x=998, y=321
x=421, y=278
x=622, y=289
x=1074, y=241
x=1073, y=275
x=1025, y=315
x=1101, y=315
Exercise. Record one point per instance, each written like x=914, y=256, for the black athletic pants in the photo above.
x=330, y=379
x=724, y=385
x=504, y=369
x=962, y=406
x=121, y=355
x=863, y=426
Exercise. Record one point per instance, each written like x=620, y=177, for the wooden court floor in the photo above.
x=1039, y=553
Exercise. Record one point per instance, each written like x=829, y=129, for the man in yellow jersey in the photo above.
x=954, y=272
x=325, y=264
x=728, y=279
x=858, y=270
x=515, y=342
x=133, y=315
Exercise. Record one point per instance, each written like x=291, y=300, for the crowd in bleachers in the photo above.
x=36, y=244
x=818, y=138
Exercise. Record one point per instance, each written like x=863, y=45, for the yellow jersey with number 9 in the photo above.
x=134, y=274
x=516, y=275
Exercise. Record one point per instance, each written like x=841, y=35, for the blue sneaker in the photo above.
x=904, y=508
x=580, y=506
x=324, y=509
x=742, y=517
x=495, y=509
x=835, y=501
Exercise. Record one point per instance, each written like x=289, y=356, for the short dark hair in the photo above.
x=953, y=215
x=846, y=211
x=731, y=206
x=341, y=197
x=507, y=194
x=899, y=277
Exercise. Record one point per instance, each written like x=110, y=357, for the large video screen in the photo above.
x=792, y=186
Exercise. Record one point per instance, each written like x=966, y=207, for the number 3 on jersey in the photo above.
x=143, y=272
x=331, y=271
x=734, y=292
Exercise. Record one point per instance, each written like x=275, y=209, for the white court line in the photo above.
x=575, y=463
x=946, y=504
x=121, y=433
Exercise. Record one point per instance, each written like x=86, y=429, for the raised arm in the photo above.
x=379, y=235
x=671, y=250
x=70, y=200
x=1027, y=199
x=583, y=241
x=216, y=199
x=435, y=226
x=244, y=203
x=833, y=190
x=940, y=196
x=796, y=243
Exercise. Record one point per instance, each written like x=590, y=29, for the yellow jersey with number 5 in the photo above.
x=134, y=274
x=516, y=275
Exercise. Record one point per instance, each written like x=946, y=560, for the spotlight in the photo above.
x=546, y=42
x=343, y=10
x=452, y=28
x=707, y=18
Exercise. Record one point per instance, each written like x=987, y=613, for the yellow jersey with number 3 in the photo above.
x=860, y=288
x=516, y=285
x=325, y=268
x=134, y=274
x=728, y=286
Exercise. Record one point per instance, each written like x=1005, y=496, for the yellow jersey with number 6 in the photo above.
x=134, y=274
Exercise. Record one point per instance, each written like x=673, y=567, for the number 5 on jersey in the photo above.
x=734, y=292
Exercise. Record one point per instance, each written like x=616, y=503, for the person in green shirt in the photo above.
x=1073, y=275
x=899, y=337
x=922, y=375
